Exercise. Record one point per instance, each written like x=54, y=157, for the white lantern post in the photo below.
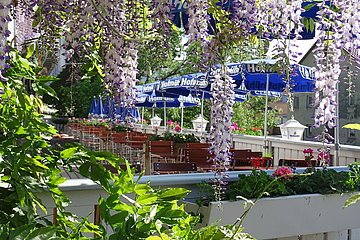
x=155, y=121
x=292, y=130
x=199, y=124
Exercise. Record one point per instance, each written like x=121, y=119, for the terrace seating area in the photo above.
x=161, y=157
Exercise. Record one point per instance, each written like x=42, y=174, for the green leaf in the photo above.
x=147, y=199
x=306, y=23
x=118, y=218
x=154, y=238
x=68, y=153
x=352, y=200
x=43, y=233
x=311, y=24
x=142, y=189
x=124, y=207
x=21, y=131
x=355, y=126
x=21, y=232
x=30, y=51
x=85, y=169
x=57, y=180
x=173, y=194
x=309, y=6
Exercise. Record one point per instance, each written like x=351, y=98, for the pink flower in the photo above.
x=170, y=122
x=234, y=126
x=177, y=128
x=324, y=156
x=308, y=151
x=283, y=172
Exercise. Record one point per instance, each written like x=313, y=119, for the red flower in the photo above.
x=283, y=172
x=177, y=128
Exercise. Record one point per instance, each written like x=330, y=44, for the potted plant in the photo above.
x=293, y=204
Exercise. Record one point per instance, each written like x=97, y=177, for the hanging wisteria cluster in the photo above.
x=79, y=24
x=220, y=134
x=198, y=21
x=5, y=7
x=162, y=16
x=124, y=25
x=23, y=31
x=245, y=16
x=333, y=37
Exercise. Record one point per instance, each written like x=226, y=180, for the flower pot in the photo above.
x=286, y=216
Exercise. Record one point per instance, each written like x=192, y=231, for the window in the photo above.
x=296, y=102
x=309, y=101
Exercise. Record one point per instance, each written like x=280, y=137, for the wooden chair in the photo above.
x=297, y=163
x=118, y=140
x=262, y=162
x=161, y=167
x=242, y=158
x=200, y=156
x=162, y=151
x=197, y=145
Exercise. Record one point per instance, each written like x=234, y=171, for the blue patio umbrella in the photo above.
x=167, y=102
x=180, y=15
x=93, y=107
x=109, y=107
x=255, y=76
x=100, y=109
x=261, y=77
x=127, y=113
x=153, y=89
x=186, y=84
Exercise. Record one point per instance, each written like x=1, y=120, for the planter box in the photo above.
x=286, y=216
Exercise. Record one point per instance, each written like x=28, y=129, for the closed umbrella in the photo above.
x=93, y=107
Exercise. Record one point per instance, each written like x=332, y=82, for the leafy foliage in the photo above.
x=326, y=181
x=29, y=165
x=77, y=85
x=176, y=137
x=249, y=115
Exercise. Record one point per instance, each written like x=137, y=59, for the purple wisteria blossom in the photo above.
x=5, y=18
x=198, y=21
x=327, y=56
x=23, y=30
x=245, y=15
x=79, y=24
x=161, y=16
x=121, y=70
x=220, y=131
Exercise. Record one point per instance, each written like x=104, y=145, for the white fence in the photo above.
x=281, y=148
x=84, y=195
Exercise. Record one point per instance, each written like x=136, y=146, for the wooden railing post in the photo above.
x=147, y=159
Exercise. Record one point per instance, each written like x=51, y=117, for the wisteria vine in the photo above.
x=5, y=7
x=220, y=135
x=124, y=25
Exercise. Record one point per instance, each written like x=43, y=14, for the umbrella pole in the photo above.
x=202, y=113
x=337, y=130
x=142, y=116
x=165, y=114
x=266, y=113
x=182, y=118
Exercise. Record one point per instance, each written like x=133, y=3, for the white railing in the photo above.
x=281, y=148
x=84, y=195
